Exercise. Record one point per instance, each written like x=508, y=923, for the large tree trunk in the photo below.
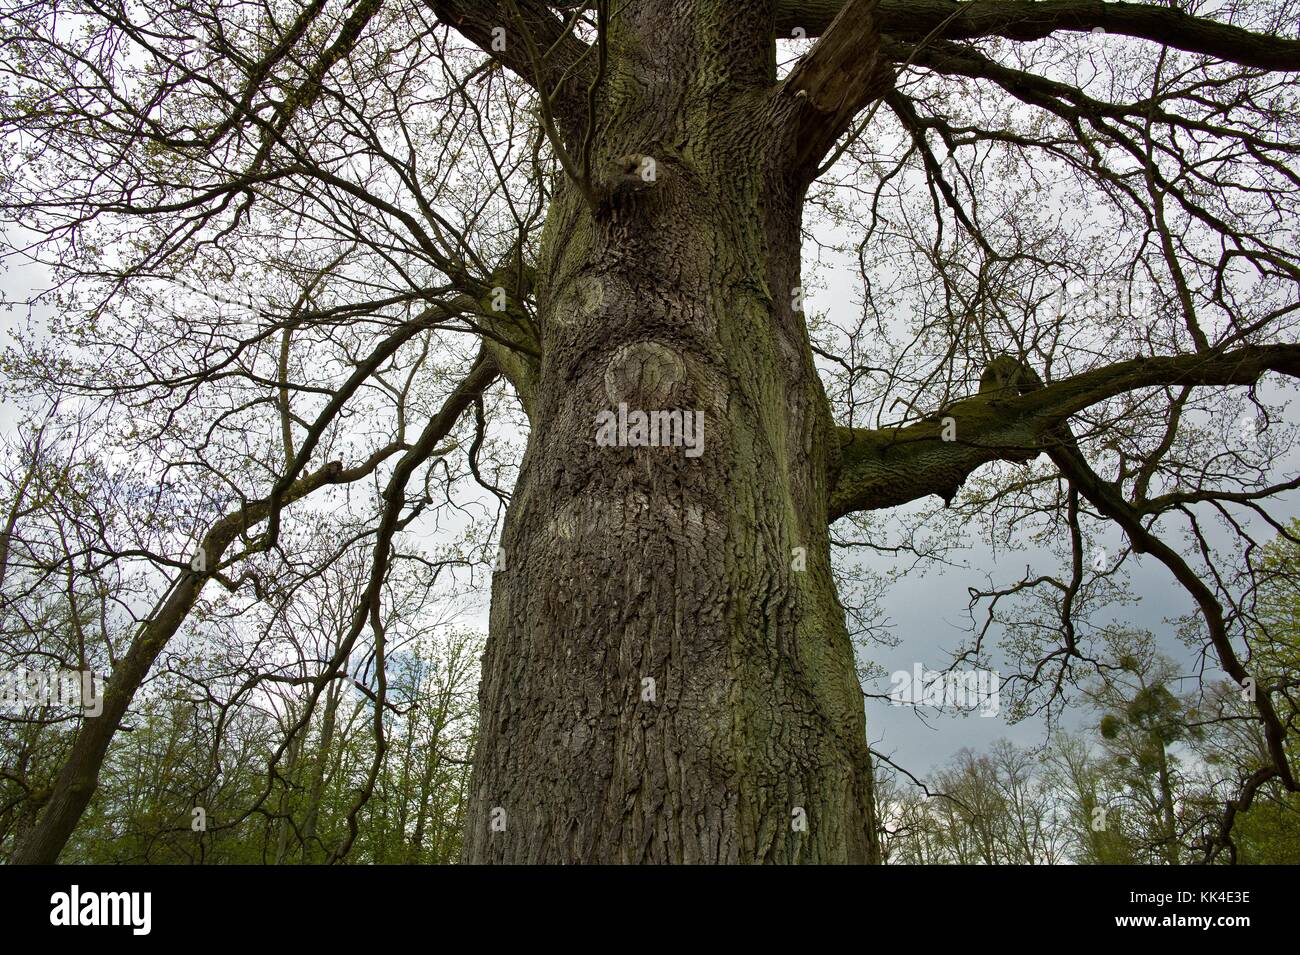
x=709, y=574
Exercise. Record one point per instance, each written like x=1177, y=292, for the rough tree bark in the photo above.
x=675, y=287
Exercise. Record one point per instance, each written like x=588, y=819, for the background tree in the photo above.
x=1094, y=821
x=1143, y=723
x=1264, y=820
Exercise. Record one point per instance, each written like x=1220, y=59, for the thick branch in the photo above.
x=840, y=75
x=1035, y=19
x=891, y=466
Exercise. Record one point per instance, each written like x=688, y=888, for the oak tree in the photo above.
x=275, y=230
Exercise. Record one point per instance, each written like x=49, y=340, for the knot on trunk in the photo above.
x=1009, y=376
x=645, y=375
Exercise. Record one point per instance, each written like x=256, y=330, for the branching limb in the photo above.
x=891, y=466
x=841, y=75
x=1036, y=19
